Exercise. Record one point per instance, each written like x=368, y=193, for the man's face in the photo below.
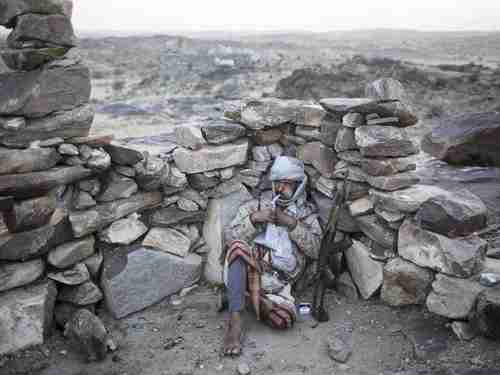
x=286, y=188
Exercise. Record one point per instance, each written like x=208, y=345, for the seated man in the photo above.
x=270, y=241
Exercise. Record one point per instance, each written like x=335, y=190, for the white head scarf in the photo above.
x=288, y=168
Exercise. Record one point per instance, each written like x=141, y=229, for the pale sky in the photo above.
x=313, y=15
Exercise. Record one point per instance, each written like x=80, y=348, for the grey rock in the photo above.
x=94, y=263
x=267, y=114
x=122, y=155
x=387, y=167
x=187, y=205
x=25, y=161
x=99, y=160
x=395, y=182
x=452, y=297
x=345, y=140
x=14, y=275
x=458, y=257
x=123, y=231
x=36, y=242
x=321, y=157
x=83, y=200
x=345, y=286
x=366, y=273
x=307, y=133
x=85, y=152
x=405, y=283
x=52, y=142
x=92, y=186
x=220, y=213
x=227, y=173
x=76, y=275
x=468, y=139
x=326, y=186
x=13, y=8
x=268, y=136
x=117, y=187
x=124, y=171
x=26, y=316
x=243, y=369
x=377, y=230
x=383, y=141
x=220, y=133
x=391, y=217
x=261, y=153
x=68, y=149
x=168, y=240
x=80, y=295
x=30, y=214
x=152, y=173
x=135, y=279
x=42, y=30
x=62, y=124
x=189, y=136
x=201, y=182
x=339, y=350
x=86, y=222
x=14, y=124
x=70, y=253
x=176, y=178
x=275, y=150
x=73, y=161
x=463, y=330
x=329, y=129
x=41, y=92
x=362, y=206
x=353, y=120
x=310, y=115
x=487, y=313
x=384, y=121
x=64, y=311
x=170, y=216
x=342, y=106
x=458, y=213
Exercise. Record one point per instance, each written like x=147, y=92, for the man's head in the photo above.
x=288, y=177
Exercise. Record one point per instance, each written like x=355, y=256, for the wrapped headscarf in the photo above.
x=289, y=168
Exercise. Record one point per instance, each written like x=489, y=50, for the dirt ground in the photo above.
x=186, y=338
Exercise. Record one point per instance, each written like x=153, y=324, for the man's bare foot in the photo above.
x=232, y=340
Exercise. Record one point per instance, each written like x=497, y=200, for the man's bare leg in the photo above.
x=237, y=282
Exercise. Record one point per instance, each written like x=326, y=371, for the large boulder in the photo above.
x=65, y=124
x=455, y=214
x=25, y=161
x=26, y=316
x=14, y=8
x=459, y=257
x=133, y=279
x=221, y=212
x=14, y=275
x=40, y=92
x=51, y=30
x=453, y=298
x=405, y=283
x=384, y=141
x=211, y=157
x=468, y=139
x=366, y=272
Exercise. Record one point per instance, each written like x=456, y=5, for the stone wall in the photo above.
x=89, y=220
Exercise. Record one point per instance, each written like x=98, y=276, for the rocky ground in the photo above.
x=181, y=337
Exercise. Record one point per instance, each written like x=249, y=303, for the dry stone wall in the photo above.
x=90, y=220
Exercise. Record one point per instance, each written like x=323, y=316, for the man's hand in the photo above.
x=285, y=220
x=263, y=216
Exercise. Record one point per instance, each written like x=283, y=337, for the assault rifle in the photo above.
x=325, y=278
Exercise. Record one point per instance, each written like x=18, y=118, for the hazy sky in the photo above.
x=314, y=15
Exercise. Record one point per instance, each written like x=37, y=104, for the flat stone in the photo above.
x=38, y=183
x=99, y=217
x=385, y=121
x=122, y=155
x=224, y=188
x=225, y=132
x=344, y=105
x=352, y=157
x=30, y=214
x=31, y=58
x=220, y=213
x=383, y=141
x=13, y=8
x=93, y=140
x=452, y=297
x=407, y=200
x=326, y=186
x=169, y=216
x=458, y=213
x=14, y=275
x=80, y=295
x=455, y=257
x=345, y=140
x=83, y=201
x=168, y=240
x=429, y=337
x=388, y=216
x=201, y=182
x=40, y=92
x=117, y=187
x=190, y=137
x=70, y=253
x=123, y=231
x=135, y=279
x=68, y=149
x=405, y=283
x=319, y=156
x=73, y=161
x=26, y=316
x=310, y=115
x=353, y=120
x=51, y=142
x=14, y=124
x=26, y=161
x=267, y=136
x=387, y=167
x=377, y=230
x=211, y=157
x=467, y=139
x=307, y=133
x=62, y=124
x=395, y=182
x=36, y=242
x=366, y=273
x=76, y=275
x=267, y=114
x=44, y=30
